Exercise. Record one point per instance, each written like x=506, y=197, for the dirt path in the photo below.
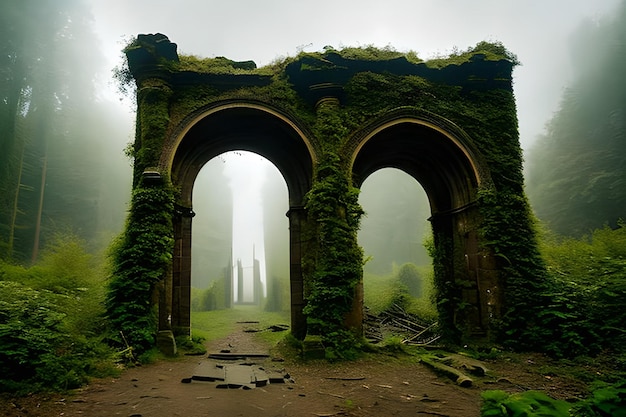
x=377, y=386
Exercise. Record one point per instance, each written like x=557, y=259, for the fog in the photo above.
x=240, y=199
x=538, y=32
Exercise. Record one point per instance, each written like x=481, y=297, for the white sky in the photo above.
x=536, y=31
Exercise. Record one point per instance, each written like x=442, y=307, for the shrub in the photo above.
x=50, y=321
x=498, y=403
x=586, y=305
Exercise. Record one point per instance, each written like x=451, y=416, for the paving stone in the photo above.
x=208, y=371
x=236, y=356
x=261, y=378
x=239, y=376
x=242, y=375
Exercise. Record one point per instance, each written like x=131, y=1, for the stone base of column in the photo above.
x=166, y=343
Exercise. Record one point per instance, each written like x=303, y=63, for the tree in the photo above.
x=577, y=169
x=49, y=175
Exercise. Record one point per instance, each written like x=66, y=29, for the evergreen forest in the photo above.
x=65, y=186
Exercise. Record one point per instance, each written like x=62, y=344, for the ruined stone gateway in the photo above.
x=337, y=117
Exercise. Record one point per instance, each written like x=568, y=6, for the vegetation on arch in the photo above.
x=490, y=51
x=333, y=260
x=141, y=258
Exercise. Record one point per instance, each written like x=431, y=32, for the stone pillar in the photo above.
x=181, y=272
x=354, y=319
x=297, y=218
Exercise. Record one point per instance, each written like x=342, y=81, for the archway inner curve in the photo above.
x=449, y=172
x=241, y=126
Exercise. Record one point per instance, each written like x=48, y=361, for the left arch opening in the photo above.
x=223, y=128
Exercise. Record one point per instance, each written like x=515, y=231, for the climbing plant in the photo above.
x=141, y=257
x=334, y=260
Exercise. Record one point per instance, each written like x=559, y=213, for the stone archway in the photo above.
x=327, y=121
x=211, y=131
x=443, y=159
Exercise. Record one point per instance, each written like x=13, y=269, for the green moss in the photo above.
x=219, y=65
x=485, y=50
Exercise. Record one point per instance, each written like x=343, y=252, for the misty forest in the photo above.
x=65, y=188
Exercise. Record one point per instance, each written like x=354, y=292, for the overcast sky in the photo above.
x=537, y=31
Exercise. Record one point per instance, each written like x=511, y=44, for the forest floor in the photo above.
x=375, y=385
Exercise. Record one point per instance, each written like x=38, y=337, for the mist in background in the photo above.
x=576, y=170
x=64, y=126
x=395, y=224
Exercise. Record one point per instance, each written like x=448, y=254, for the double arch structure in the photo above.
x=186, y=118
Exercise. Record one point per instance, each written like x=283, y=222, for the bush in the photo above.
x=606, y=400
x=586, y=306
x=50, y=318
x=209, y=299
x=381, y=293
x=409, y=276
x=498, y=403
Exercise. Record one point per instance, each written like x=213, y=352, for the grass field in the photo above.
x=217, y=324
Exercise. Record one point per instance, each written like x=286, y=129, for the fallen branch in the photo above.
x=420, y=333
x=457, y=376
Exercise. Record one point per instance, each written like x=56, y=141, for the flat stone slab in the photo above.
x=236, y=356
x=236, y=376
x=208, y=371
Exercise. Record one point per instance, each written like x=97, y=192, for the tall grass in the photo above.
x=381, y=292
x=51, y=321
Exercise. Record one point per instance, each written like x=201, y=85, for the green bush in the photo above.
x=605, y=401
x=498, y=403
x=382, y=292
x=50, y=321
x=208, y=299
x=586, y=305
x=409, y=276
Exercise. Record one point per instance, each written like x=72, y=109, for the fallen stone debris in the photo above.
x=237, y=371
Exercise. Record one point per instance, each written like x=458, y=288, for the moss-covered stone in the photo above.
x=333, y=96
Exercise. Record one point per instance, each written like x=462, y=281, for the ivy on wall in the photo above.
x=141, y=259
x=334, y=259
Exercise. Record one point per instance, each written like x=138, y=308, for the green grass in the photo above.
x=382, y=291
x=217, y=324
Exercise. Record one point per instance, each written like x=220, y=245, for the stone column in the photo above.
x=181, y=272
x=297, y=218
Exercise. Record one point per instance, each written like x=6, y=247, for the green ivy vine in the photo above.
x=335, y=259
x=141, y=259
